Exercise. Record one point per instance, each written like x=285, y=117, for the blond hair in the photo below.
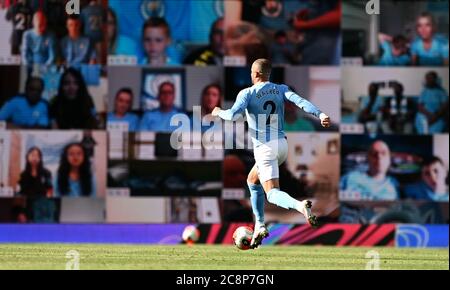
x=263, y=66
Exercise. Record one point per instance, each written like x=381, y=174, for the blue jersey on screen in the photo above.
x=188, y=20
x=157, y=121
x=263, y=104
x=422, y=191
x=77, y=51
x=38, y=49
x=433, y=99
x=131, y=119
x=19, y=112
x=434, y=56
x=92, y=17
x=389, y=59
x=363, y=187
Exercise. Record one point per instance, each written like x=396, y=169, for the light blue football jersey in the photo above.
x=263, y=104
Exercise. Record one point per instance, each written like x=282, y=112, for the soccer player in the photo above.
x=266, y=101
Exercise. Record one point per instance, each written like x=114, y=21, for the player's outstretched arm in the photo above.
x=238, y=108
x=308, y=107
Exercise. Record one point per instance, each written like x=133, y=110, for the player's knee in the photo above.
x=251, y=179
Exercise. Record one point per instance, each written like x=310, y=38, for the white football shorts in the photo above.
x=269, y=157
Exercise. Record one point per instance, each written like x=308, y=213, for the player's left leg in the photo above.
x=256, y=195
x=257, y=199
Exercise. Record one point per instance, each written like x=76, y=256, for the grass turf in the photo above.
x=182, y=257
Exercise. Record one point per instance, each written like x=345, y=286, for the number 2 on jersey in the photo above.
x=273, y=108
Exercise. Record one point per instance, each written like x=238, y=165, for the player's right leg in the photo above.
x=268, y=158
x=283, y=199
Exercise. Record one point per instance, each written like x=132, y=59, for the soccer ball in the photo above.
x=190, y=234
x=242, y=237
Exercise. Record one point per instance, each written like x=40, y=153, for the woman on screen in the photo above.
x=35, y=180
x=74, y=177
x=73, y=107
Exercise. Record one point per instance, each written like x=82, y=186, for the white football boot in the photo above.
x=260, y=232
x=304, y=207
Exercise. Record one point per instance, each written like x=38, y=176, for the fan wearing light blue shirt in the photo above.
x=432, y=187
x=156, y=41
x=433, y=107
x=395, y=52
x=75, y=48
x=122, y=107
x=429, y=49
x=373, y=184
x=38, y=45
x=158, y=120
x=119, y=44
x=28, y=110
x=74, y=177
x=370, y=107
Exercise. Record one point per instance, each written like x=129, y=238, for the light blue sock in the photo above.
x=257, y=200
x=281, y=198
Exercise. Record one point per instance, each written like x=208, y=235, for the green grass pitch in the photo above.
x=183, y=257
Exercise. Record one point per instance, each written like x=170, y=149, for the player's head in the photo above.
x=216, y=37
x=123, y=101
x=156, y=37
x=379, y=157
x=166, y=95
x=425, y=25
x=399, y=45
x=261, y=69
x=33, y=89
x=433, y=172
x=73, y=26
x=40, y=22
x=211, y=98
